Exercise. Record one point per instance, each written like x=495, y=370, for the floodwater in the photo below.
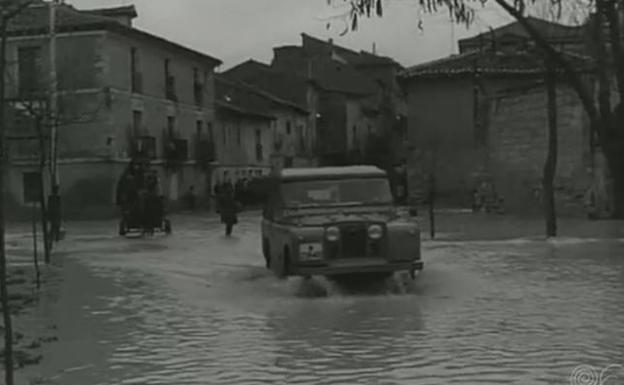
x=198, y=308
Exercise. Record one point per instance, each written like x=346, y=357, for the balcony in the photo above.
x=170, y=89
x=137, y=83
x=176, y=151
x=30, y=88
x=143, y=147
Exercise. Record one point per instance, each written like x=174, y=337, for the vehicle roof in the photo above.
x=331, y=173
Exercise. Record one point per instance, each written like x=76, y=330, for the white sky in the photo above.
x=236, y=30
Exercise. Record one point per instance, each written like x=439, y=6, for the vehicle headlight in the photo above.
x=332, y=234
x=375, y=232
x=310, y=251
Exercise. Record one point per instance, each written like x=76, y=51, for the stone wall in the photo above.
x=518, y=142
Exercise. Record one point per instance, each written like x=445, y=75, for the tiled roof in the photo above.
x=128, y=10
x=551, y=31
x=356, y=58
x=331, y=75
x=244, y=87
x=35, y=20
x=284, y=85
x=490, y=63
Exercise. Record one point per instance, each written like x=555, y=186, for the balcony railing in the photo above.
x=170, y=89
x=143, y=147
x=176, y=150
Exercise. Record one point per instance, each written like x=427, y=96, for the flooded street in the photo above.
x=198, y=308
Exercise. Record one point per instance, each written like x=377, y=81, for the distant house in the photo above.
x=255, y=128
x=563, y=37
x=123, y=92
x=351, y=95
x=359, y=96
x=480, y=117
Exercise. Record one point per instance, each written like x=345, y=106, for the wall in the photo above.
x=237, y=151
x=440, y=118
x=152, y=101
x=358, y=127
x=518, y=136
x=332, y=137
x=442, y=132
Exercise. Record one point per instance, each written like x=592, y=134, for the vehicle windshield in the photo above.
x=342, y=192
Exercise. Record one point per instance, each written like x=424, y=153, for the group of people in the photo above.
x=139, y=196
x=248, y=192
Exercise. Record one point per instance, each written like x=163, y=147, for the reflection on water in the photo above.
x=197, y=308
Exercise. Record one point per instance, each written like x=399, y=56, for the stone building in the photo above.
x=352, y=96
x=473, y=121
x=122, y=91
x=254, y=129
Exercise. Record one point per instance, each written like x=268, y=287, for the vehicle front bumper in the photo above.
x=354, y=266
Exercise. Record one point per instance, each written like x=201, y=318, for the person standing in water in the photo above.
x=228, y=208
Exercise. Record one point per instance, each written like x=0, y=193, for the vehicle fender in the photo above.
x=403, y=241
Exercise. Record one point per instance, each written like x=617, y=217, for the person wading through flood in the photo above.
x=228, y=208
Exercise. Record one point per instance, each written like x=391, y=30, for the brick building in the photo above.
x=121, y=91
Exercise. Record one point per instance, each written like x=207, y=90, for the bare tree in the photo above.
x=8, y=10
x=606, y=112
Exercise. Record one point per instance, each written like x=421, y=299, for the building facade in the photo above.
x=257, y=131
x=479, y=119
x=122, y=93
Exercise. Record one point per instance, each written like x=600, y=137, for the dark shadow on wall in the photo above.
x=90, y=198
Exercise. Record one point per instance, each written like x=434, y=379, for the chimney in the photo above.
x=331, y=46
x=374, y=48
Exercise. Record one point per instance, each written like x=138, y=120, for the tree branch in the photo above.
x=604, y=86
x=615, y=39
x=574, y=78
x=11, y=14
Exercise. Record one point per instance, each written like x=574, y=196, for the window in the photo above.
x=302, y=144
x=137, y=122
x=259, y=152
x=198, y=88
x=224, y=134
x=31, y=182
x=169, y=82
x=171, y=126
x=135, y=71
x=288, y=128
x=29, y=69
x=210, y=132
x=199, y=128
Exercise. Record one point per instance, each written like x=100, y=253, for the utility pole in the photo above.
x=4, y=295
x=54, y=204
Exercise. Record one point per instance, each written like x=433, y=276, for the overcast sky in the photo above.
x=236, y=30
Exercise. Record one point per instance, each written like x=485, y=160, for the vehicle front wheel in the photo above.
x=122, y=228
x=281, y=271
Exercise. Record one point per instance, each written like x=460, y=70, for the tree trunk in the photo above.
x=615, y=162
x=35, y=251
x=431, y=200
x=45, y=229
x=550, y=165
x=4, y=295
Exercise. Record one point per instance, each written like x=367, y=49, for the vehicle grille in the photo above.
x=354, y=240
